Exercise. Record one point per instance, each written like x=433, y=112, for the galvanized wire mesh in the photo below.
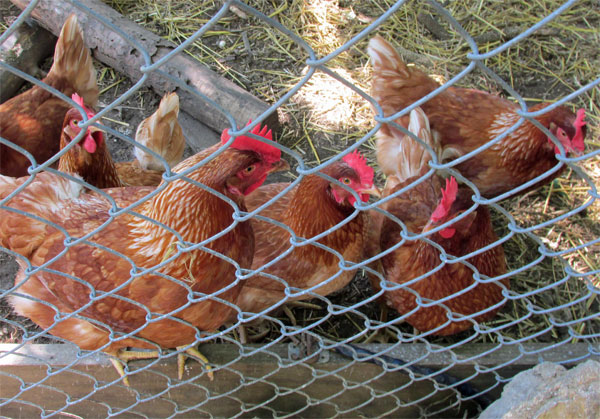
x=398, y=383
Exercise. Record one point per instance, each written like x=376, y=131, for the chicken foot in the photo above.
x=194, y=353
x=123, y=356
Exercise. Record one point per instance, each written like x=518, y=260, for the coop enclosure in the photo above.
x=301, y=67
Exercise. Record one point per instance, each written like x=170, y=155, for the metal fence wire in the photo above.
x=383, y=366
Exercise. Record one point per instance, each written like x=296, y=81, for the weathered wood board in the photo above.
x=264, y=384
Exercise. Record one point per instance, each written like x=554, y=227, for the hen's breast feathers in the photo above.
x=271, y=240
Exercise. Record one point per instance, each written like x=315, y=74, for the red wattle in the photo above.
x=89, y=144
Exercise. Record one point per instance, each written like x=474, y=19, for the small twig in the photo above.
x=433, y=26
x=290, y=315
x=247, y=45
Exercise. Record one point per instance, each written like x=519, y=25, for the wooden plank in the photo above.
x=110, y=48
x=261, y=384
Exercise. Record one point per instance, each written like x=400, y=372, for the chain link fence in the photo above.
x=331, y=361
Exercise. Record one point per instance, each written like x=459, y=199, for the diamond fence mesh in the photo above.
x=340, y=354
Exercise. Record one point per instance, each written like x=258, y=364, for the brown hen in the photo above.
x=187, y=215
x=91, y=159
x=33, y=119
x=422, y=208
x=311, y=208
x=467, y=119
x=88, y=158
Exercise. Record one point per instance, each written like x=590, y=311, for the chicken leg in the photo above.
x=194, y=353
x=123, y=356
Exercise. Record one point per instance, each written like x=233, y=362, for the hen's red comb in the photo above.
x=79, y=100
x=577, y=140
x=448, y=198
x=358, y=162
x=270, y=153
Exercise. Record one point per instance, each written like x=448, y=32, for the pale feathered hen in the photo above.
x=162, y=134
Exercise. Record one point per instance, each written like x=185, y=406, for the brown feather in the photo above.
x=133, y=174
x=309, y=209
x=191, y=211
x=466, y=119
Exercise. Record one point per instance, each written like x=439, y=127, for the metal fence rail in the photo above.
x=414, y=375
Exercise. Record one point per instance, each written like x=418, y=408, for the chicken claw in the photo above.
x=123, y=356
x=194, y=353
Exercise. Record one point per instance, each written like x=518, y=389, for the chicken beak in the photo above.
x=279, y=166
x=92, y=129
x=373, y=191
x=576, y=153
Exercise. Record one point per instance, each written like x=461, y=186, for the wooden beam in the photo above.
x=113, y=50
x=261, y=384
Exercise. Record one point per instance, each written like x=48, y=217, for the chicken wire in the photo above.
x=393, y=385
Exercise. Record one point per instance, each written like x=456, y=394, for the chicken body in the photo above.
x=33, y=119
x=131, y=173
x=422, y=208
x=309, y=209
x=466, y=119
x=193, y=213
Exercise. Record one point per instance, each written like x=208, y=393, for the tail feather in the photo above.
x=73, y=61
x=403, y=157
x=385, y=59
x=395, y=85
x=161, y=133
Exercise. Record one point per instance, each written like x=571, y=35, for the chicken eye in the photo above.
x=346, y=181
x=561, y=134
x=250, y=168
